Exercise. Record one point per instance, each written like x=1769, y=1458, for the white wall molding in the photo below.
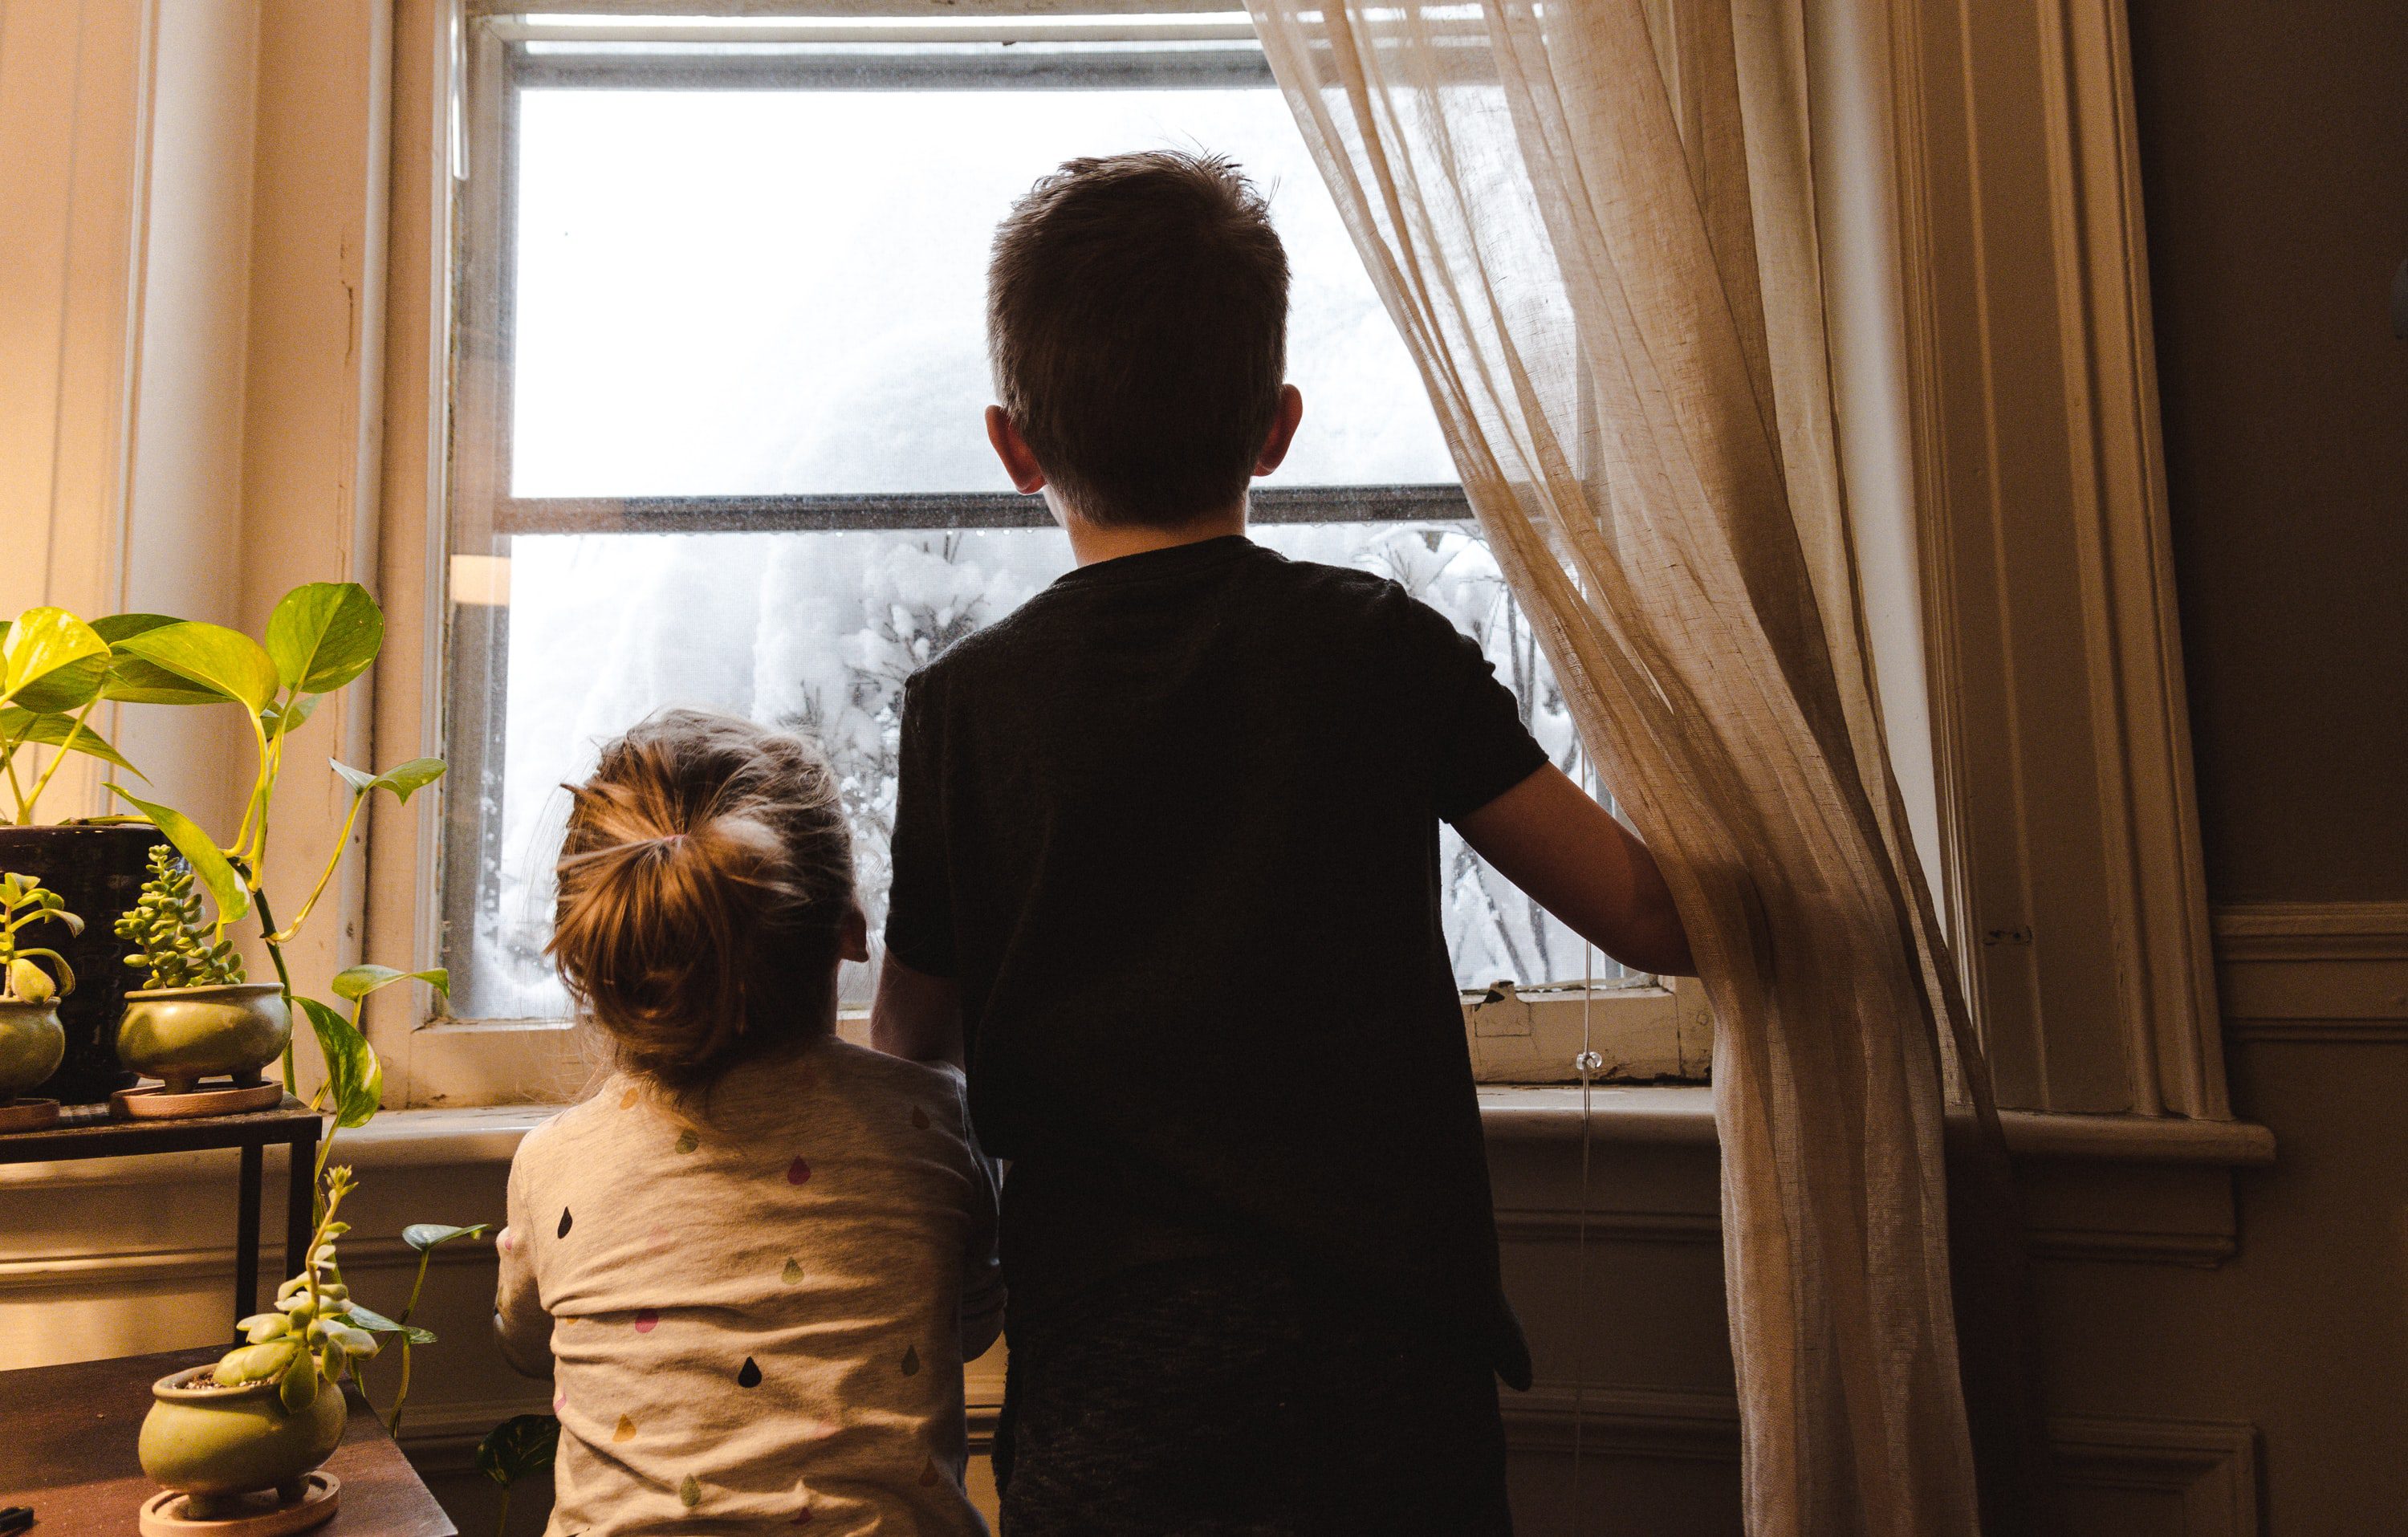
x=135, y=1270
x=1624, y=1421
x=2326, y=972
x=2328, y=931
x=2205, y=1472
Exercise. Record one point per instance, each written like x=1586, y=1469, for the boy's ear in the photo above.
x=852, y=934
x=1028, y=476
x=1291, y=411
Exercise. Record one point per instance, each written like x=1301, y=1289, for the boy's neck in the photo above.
x=1093, y=542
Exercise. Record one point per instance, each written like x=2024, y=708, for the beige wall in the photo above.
x=2275, y=160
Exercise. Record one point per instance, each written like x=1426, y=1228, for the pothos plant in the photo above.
x=320, y=639
x=55, y=670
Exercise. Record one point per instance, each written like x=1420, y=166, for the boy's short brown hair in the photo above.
x=1137, y=321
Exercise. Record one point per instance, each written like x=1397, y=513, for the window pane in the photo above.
x=751, y=292
x=817, y=632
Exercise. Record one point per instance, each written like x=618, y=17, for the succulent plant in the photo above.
x=312, y=1334
x=172, y=937
x=25, y=902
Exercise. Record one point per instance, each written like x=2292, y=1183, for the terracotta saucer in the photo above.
x=163, y=1513
x=28, y=1115
x=154, y=1102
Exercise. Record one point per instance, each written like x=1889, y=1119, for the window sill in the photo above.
x=1643, y=1114
x=1684, y=1114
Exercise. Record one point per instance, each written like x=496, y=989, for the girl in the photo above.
x=754, y=1261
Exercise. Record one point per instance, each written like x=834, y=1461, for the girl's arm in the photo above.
x=521, y=1324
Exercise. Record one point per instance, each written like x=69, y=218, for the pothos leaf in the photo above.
x=201, y=851
x=424, y=1236
x=285, y=719
x=402, y=779
x=21, y=725
x=212, y=655
x=358, y=982
x=325, y=634
x=368, y=1318
x=518, y=1446
x=50, y=661
x=354, y=1076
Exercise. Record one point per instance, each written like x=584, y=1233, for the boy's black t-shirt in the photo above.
x=1172, y=825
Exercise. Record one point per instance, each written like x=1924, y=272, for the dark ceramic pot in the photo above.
x=99, y=872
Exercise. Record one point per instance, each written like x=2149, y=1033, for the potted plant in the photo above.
x=320, y=639
x=193, y=1016
x=31, y=1038
x=55, y=671
x=268, y=1412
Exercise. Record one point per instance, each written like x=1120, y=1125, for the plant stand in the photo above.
x=89, y=1131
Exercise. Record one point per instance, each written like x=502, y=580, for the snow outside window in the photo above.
x=720, y=440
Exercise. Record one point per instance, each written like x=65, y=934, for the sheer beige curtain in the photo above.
x=1592, y=223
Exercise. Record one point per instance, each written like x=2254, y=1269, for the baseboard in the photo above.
x=2204, y=1472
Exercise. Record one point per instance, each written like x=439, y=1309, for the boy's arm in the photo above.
x=916, y=1015
x=982, y=1290
x=1569, y=853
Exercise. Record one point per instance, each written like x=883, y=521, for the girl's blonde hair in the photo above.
x=704, y=884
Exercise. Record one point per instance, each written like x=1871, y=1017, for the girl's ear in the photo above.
x=852, y=934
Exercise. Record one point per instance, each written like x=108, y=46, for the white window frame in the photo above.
x=1980, y=222
x=435, y=1059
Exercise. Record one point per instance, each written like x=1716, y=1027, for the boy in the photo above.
x=1166, y=880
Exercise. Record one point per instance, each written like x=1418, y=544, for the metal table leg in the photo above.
x=246, y=1232
x=300, y=1199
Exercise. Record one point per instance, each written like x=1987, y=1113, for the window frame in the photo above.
x=441, y=1060
x=1986, y=286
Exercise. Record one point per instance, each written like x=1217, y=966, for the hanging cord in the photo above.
x=1587, y=1062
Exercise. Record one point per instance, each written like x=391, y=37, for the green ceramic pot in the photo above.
x=217, y=1444
x=32, y=1042
x=181, y=1035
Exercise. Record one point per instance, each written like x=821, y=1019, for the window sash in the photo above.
x=501, y=64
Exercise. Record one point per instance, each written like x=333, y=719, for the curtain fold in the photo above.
x=1594, y=226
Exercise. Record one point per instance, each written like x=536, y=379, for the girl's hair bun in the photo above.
x=702, y=886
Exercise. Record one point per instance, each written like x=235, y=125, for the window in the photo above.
x=717, y=438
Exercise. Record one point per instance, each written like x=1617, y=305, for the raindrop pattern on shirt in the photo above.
x=749, y=1373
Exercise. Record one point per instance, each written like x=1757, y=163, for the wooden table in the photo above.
x=87, y=1131
x=67, y=1448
